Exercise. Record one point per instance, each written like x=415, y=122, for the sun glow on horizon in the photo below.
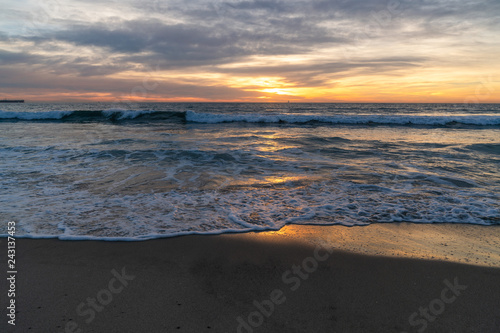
x=204, y=51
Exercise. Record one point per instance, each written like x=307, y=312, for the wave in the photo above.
x=95, y=116
x=425, y=120
x=119, y=115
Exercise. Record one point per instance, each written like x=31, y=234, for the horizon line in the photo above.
x=246, y=102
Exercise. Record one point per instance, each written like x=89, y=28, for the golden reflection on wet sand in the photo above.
x=461, y=243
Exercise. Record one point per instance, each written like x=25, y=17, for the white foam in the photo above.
x=403, y=119
x=80, y=215
x=125, y=114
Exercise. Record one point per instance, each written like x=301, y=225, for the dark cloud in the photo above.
x=9, y=58
x=184, y=43
x=215, y=32
x=63, y=64
x=205, y=35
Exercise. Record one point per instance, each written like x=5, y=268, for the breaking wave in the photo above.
x=371, y=119
x=121, y=115
x=92, y=116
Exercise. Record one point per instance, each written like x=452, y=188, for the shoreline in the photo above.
x=298, y=279
x=453, y=242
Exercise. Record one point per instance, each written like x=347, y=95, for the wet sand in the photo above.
x=380, y=278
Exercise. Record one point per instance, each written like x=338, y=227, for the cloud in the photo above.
x=9, y=58
x=184, y=42
x=126, y=90
x=317, y=74
x=304, y=43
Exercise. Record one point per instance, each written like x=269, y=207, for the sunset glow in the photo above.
x=251, y=51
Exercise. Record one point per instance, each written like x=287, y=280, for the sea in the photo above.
x=150, y=170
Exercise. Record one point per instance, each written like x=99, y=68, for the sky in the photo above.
x=250, y=51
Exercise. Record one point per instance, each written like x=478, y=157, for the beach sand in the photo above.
x=380, y=278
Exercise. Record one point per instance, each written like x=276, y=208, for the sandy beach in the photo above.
x=381, y=278
x=250, y=166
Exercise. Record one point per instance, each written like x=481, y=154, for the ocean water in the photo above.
x=142, y=171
